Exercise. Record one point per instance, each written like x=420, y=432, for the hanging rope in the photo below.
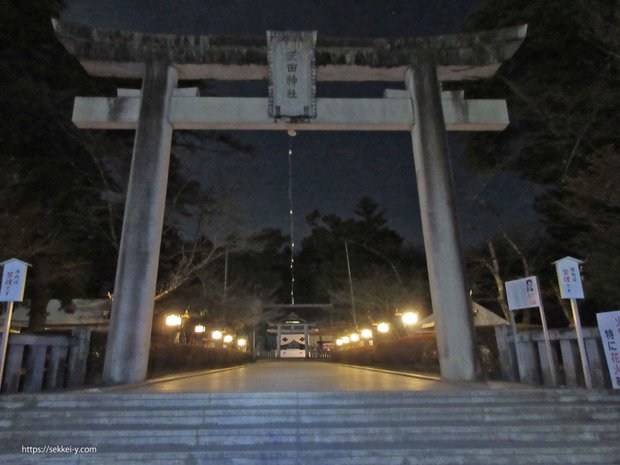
x=290, y=211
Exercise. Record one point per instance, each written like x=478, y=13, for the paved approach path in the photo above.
x=295, y=376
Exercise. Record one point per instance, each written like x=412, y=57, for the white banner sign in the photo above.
x=522, y=293
x=609, y=327
x=569, y=278
x=13, y=281
x=292, y=74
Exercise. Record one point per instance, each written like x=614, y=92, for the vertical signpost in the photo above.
x=609, y=327
x=11, y=290
x=569, y=280
x=525, y=293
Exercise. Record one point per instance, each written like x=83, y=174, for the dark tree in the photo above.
x=51, y=189
x=563, y=96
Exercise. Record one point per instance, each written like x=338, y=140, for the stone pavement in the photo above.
x=290, y=376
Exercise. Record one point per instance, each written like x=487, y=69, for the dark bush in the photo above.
x=170, y=358
x=419, y=353
x=489, y=356
x=96, y=356
x=165, y=357
x=416, y=353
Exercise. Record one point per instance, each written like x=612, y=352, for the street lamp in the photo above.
x=383, y=327
x=355, y=337
x=228, y=339
x=173, y=320
x=339, y=342
x=242, y=342
x=217, y=335
x=366, y=333
x=410, y=318
x=199, y=333
x=345, y=339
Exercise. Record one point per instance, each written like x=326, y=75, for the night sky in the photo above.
x=332, y=170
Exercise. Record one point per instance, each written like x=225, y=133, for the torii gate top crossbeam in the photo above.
x=123, y=54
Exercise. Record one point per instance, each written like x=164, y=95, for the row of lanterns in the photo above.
x=355, y=337
x=216, y=335
x=408, y=319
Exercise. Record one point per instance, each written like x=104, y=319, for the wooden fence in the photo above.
x=46, y=362
x=532, y=366
x=319, y=353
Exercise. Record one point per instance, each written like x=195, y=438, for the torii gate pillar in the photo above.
x=131, y=320
x=454, y=325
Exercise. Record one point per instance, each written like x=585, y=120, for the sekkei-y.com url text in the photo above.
x=58, y=449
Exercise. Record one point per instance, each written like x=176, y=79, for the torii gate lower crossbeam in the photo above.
x=161, y=108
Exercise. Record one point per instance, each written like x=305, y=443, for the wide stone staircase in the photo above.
x=487, y=426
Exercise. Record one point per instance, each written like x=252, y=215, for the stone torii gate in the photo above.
x=292, y=61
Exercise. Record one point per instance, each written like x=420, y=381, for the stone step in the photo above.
x=114, y=436
x=550, y=426
x=180, y=418
x=231, y=417
x=421, y=407
x=429, y=454
x=297, y=399
x=42, y=401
